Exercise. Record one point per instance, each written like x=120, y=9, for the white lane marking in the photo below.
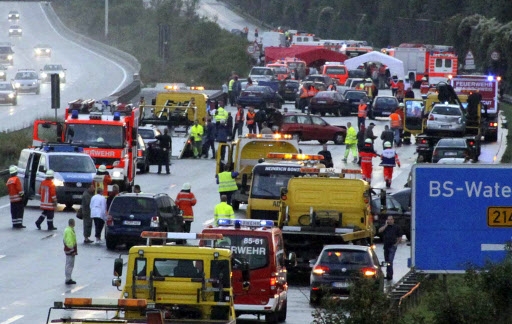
x=74, y=290
x=90, y=51
x=3, y=206
x=492, y=247
x=2, y=256
x=12, y=319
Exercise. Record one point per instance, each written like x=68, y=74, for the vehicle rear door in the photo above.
x=306, y=127
x=170, y=214
x=413, y=116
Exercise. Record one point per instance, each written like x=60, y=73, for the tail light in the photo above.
x=154, y=222
x=431, y=117
x=369, y=272
x=471, y=143
x=320, y=270
x=422, y=141
x=493, y=124
x=139, y=153
x=110, y=221
x=273, y=282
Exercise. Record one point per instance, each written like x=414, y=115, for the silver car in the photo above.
x=444, y=118
x=8, y=94
x=27, y=81
x=49, y=69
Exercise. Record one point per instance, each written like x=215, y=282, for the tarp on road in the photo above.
x=314, y=56
x=396, y=67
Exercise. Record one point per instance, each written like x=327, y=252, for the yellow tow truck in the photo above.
x=324, y=206
x=247, y=151
x=167, y=283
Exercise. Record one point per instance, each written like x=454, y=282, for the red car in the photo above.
x=312, y=128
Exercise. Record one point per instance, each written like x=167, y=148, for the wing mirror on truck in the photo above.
x=246, y=275
x=118, y=271
x=383, y=202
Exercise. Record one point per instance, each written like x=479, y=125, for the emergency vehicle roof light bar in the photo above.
x=105, y=302
x=180, y=236
x=269, y=136
x=74, y=114
x=246, y=222
x=62, y=148
x=295, y=156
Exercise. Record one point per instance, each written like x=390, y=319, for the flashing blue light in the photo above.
x=246, y=222
x=117, y=115
x=106, y=102
x=490, y=78
x=74, y=114
x=62, y=148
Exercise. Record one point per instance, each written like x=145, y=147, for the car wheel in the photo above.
x=371, y=115
x=322, y=113
x=281, y=317
x=339, y=139
x=15, y=103
x=271, y=318
x=142, y=169
x=111, y=242
x=296, y=137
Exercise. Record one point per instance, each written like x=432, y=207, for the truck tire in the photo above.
x=271, y=318
x=339, y=139
x=111, y=242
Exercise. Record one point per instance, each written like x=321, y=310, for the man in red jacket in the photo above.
x=48, y=201
x=185, y=200
x=16, y=197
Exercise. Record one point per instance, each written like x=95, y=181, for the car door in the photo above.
x=41, y=172
x=305, y=127
x=319, y=129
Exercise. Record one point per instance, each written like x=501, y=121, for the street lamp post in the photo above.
x=106, y=19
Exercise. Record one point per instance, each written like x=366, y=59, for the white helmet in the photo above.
x=100, y=140
x=368, y=140
x=13, y=169
x=387, y=144
x=186, y=186
x=401, y=104
x=102, y=168
x=50, y=173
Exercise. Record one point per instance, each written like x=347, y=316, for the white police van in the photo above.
x=74, y=171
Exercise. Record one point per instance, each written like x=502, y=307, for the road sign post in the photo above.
x=461, y=216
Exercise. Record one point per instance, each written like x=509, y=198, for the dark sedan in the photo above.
x=260, y=97
x=352, y=99
x=337, y=268
x=312, y=128
x=383, y=106
x=289, y=90
x=327, y=102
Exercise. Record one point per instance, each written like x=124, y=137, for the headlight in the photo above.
x=11, y=95
x=62, y=74
x=9, y=57
x=47, y=50
x=58, y=183
x=38, y=51
x=11, y=30
x=116, y=174
x=44, y=75
x=17, y=85
x=2, y=73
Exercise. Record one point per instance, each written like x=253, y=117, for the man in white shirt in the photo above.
x=98, y=213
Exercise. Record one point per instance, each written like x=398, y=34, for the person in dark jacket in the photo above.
x=409, y=94
x=261, y=116
x=209, y=138
x=327, y=161
x=387, y=135
x=369, y=133
x=360, y=140
x=229, y=125
x=391, y=237
x=221, y=136
x=165, y=144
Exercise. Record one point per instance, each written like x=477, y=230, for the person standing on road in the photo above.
x=396, y=124
x=209, y=138
x=260, y=118
x=70, y=249
x=112, y=195
x=389, y=161
x=350, y=143
x=391, y=237
x=369, y=133
x=367, y=153
x=362, y=109
x=387, y=135
x=222, y=210
x=196, y=132
x=185, y=200
x=15, y=197
x=232, y=90
x=102, y=179
x=239, y=122
x=227, y=183
x=251, y=122
x=98, y=213
x=86, y=213
x=48, y=201
x=165, y=144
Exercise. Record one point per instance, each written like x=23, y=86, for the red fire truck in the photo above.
x=436, y=62
x=107, y=135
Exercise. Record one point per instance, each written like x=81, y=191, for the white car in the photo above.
x=27, y=81
x=260, y=73
x=50, y=69
x=445, y=118
x=15, y=30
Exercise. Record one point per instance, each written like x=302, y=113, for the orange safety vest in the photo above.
x=250, y=117
x=396, y=121
x=48, y=194
x=394, y=85
x=102, y=181
x=312, y=92
x=303, y=93
x=185, y=201
x=14, y=188
x=239, y=117
x=361, y=110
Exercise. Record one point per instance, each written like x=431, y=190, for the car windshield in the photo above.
x=446, y=110
x=6, y=86
x=5, y=50
x=72, y=163
x=253, y=249
x=25, y=76
x=147, y=133
x=340, y=256
x=268, y=184
x=355, y=95
x=180, y=268
x=53, y=67
x=386, y=102
x=335, y=70
x=110, y=136
x=261, y=71
x=280, y=70
x=133, y=205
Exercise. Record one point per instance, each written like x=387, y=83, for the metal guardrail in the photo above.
x=4, y=172
x=406, y=293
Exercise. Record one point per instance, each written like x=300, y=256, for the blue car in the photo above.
x=260, y=97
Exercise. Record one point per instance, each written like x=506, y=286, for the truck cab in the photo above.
x=245, y=152
x=261, y=245
x=186, y=283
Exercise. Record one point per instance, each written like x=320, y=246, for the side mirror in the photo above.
x=118, y=267
x=312, y=263
x=383, y=202
x=246, y=275
x=292, y=260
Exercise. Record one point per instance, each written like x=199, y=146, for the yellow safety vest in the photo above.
x=197, y=132
x=223, y=210
x=226, y=182
x=221, y=114
x=230, y=84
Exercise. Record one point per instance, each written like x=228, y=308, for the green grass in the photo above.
x=12, y=143
x=507, y=112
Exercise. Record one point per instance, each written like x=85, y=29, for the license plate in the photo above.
x=445, y=126
x=450, y=153
x=136, y=223
x=385, y=113
x=322, y=101
x=343, y=284
x=77, y=196
x=251, y=95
